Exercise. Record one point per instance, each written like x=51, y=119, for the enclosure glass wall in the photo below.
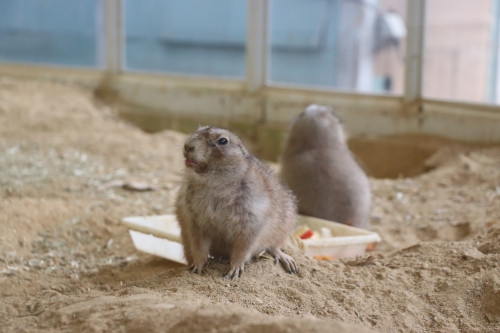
x=51, y=32
x=347, y=45
x=186, y=36
x=461, y=50
x=343, y=44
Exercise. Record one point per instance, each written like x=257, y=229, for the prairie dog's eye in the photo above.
x=222, y=141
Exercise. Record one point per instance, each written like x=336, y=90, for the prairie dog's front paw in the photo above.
x=198, y=267
x=234, y=271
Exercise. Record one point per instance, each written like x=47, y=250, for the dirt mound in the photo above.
x=67, y=265
x=141, y=310
x=491, y=243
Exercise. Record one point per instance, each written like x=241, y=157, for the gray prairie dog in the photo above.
x=321, y=171
x=231, y=205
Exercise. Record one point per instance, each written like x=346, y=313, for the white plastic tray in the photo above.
x=346, y=241
x=160, y=235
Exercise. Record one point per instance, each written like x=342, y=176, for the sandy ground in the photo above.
x=67, y=265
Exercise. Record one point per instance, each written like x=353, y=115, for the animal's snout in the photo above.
x=188, y=147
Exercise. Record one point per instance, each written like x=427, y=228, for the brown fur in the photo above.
x=231, y=205
x=321, y=171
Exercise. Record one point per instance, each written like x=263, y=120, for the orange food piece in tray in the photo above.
x=304, y=232
x=300, y=231
x=370, y=246
x=324, y=257
x=308, y=234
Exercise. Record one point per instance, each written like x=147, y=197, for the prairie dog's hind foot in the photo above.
x=287, y=261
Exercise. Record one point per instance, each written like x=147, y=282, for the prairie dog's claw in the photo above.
x=234, y=272
x=287, y=261
x=197, y=268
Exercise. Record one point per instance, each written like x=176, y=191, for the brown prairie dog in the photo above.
x=231, y=205
x=321, y=171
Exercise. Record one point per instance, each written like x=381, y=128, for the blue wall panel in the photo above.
x=204, y=37
x=49, y=31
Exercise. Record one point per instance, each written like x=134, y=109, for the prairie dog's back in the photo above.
x=321, y=171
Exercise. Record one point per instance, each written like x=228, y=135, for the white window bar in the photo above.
x=414, y=62
x=494, y=93
x=114, y=17
x=257, y=44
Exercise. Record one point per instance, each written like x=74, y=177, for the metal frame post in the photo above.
x=257, y=44
x=114, y=36
x=494, y=77
x=415, y=48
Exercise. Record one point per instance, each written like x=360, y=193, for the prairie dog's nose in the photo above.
x=188, y=147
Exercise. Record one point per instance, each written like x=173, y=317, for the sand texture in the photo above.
x=67, y=265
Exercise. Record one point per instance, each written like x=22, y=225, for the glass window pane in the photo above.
x=458, y=49
x=349, y=45
x=204, y=37
x=50, y=31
